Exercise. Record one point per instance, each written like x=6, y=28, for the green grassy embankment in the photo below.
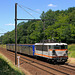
x=71, y=49
x=2, y=45
x=7, y=68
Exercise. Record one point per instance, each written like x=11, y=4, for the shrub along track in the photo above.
x=37, y=67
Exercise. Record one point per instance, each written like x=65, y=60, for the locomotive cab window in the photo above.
x=63, y=46
x=57, y=47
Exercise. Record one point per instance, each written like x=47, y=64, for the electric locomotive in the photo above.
x=56, y=52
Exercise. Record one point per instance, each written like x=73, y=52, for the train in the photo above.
x=55, y=52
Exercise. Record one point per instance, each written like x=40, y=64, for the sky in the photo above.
x=7, y=10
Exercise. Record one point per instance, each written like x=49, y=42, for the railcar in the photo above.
x=22, y=48
x=56, y=52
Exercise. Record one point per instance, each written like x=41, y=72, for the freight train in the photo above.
x=56, y=52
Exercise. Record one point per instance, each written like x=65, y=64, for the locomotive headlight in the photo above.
x=66, y=52
x=53, y=52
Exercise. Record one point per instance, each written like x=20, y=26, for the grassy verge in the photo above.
x=2, y=45
x=71, y=49
x=7, y=68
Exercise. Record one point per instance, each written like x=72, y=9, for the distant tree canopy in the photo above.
x=59, y=25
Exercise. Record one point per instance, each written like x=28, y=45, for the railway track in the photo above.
x=52, y=67
x=49, y=68
x=40, y=66
x=69, y=65
x=33, y=62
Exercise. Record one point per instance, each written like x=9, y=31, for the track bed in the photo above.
x=38, y=67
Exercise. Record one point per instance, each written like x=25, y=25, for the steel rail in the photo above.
x=43, y=65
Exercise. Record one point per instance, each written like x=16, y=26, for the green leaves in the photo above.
x=59, y=25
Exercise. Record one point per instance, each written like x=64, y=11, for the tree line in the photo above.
x=59, y=26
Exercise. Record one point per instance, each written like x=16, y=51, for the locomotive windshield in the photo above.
x=63, y=46
x=58, y=47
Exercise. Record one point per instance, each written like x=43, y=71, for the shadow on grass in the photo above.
x=5, y=69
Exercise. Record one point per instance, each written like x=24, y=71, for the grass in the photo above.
x=7, y=68
x=71, y=49
x=2, y=45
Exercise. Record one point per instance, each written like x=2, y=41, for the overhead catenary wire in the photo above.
x=2, y=33
x=26, y=11
x=30, y=9
x=2, y=29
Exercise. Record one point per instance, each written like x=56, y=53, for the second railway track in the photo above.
x=49, y=68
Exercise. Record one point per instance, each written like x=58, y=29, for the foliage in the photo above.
x=6, y=68
x=59, y=25
x=71, y=49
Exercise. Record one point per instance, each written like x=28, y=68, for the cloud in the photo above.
x=51, y=5
x=37, y=9
x=10, y=24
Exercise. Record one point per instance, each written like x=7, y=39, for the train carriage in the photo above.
x=22, y=48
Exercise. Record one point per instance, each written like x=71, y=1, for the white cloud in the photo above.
x=51, y=5
x=10, y=24
x=37, y=9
